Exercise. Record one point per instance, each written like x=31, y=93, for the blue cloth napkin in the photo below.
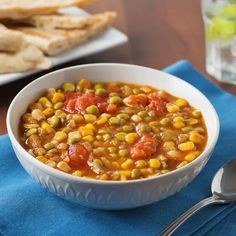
x=27, y=209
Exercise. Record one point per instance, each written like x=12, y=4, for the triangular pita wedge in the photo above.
x=60, y=21
x=28, y=58
x=18, y=9
x=10, y=41
x=55, y=41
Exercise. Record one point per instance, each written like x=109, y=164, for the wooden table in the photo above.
x=160, y=33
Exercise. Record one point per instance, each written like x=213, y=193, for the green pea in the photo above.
x=145, y=128
x=68, y=87
x=120, y=136
x=49, y=146
x=142, y=113
x=66, y=130
x=93, y=109
x=98, y=85
x=99, y=150
x=148, y=119
x=165, y=121
x=123, y=116
x=52, y=151
x=135, y=173
x=115, y=100
x=53, y=121
x=106, y=137
x=141, y=163
x=127, y=128
x=136, y=91
x=114, y=121
x=98, y=137
x=112, y=149
x=58, y=105
x=123, y=152
x=31, y=132
x=73, y=137
x=100, y=91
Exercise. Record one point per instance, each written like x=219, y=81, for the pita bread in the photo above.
x=18, y=9
x=58, y=21
x=10, y=41
x=55, y=41
x=28, y=58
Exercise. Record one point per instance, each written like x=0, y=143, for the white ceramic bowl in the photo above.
x=112, y=194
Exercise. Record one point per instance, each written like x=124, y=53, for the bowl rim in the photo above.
x=69, y=177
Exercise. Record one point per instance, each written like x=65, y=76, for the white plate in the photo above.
x=110, y=38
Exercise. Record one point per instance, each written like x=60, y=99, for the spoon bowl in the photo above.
x=223, y=190
x=224, y=182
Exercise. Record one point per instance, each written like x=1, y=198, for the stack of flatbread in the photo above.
x=33, y=30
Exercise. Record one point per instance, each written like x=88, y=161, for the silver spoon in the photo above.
x=223, y=188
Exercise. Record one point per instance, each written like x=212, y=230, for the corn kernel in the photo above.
x=42, y=159
x=62, y=165
x=141, y=163
x=68, y=87
x=73, y=137
x=169, y=145
x=178, y=119
x=87, y=130
x=192, y=121
x=197, y=113
x=187, y=146
x=58, y=97
x=88, y=138
x=181, y=102
x=60, y=136
x=131, y=138
x=125, y=173
x=51, y=163
x=78, y=173
x=126, y=164
x=178, y=125
x=154, y=123
x=154, y=163
x=90, y=118
x=123, y=178
x=45, y=102
x=136, y=118
x=174, y=154
x=195, y=137
x=191, y=156
x=38, y=115
x=102, y=120
x=172, y=107
x=48, y=111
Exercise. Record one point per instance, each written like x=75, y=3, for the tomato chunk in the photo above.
x=146, y=147
x=70, y=106
x=87, y=100
x=78, y=155
x=136, y=100
x=157, y=103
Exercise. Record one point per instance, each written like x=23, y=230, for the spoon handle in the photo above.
x=182, y=218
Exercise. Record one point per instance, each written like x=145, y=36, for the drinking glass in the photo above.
x=220, y=35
